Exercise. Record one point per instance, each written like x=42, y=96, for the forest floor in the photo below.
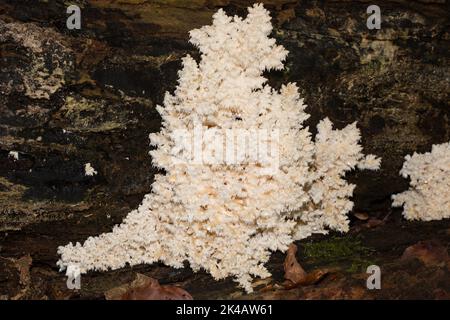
x=28, y=263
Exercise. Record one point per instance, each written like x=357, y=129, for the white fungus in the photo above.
x=429, y=195
x=89, y=170
x=227, y=219
x=14, y=155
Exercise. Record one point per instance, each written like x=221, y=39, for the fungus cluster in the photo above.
x=428, y=197
x=227, y=217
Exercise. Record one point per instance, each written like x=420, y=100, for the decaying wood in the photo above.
x=71, y=97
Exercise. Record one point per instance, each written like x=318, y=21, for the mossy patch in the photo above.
x=348, y=252
x=80, y=115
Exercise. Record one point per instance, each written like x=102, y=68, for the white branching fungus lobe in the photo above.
x=225, y=218
x=89, y=170
x=14, y=155
x=429, y=195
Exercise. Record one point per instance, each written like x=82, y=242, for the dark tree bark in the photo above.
x=71, y=97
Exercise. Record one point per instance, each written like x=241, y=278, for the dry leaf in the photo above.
x=368, y=224
x=294, y=273
x=361, y=216
x=313, y=277
x=429, y=252
x=146, y=288
x=441, y=294
x=372, y=223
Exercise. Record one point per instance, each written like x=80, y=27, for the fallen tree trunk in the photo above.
x=75, y=97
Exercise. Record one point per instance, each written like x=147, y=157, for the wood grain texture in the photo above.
x=71, y=97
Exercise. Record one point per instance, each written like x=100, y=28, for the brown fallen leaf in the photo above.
x=372, y=223
x=311, y=278
x=361, y=216
x=441, y=294
x=293, y=271
x=295, y=274
x=146, y=288
x=368, y=224
x=429, y=252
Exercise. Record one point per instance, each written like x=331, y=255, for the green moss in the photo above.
x=373, y=66
x=81, y=114
x=347, y=251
